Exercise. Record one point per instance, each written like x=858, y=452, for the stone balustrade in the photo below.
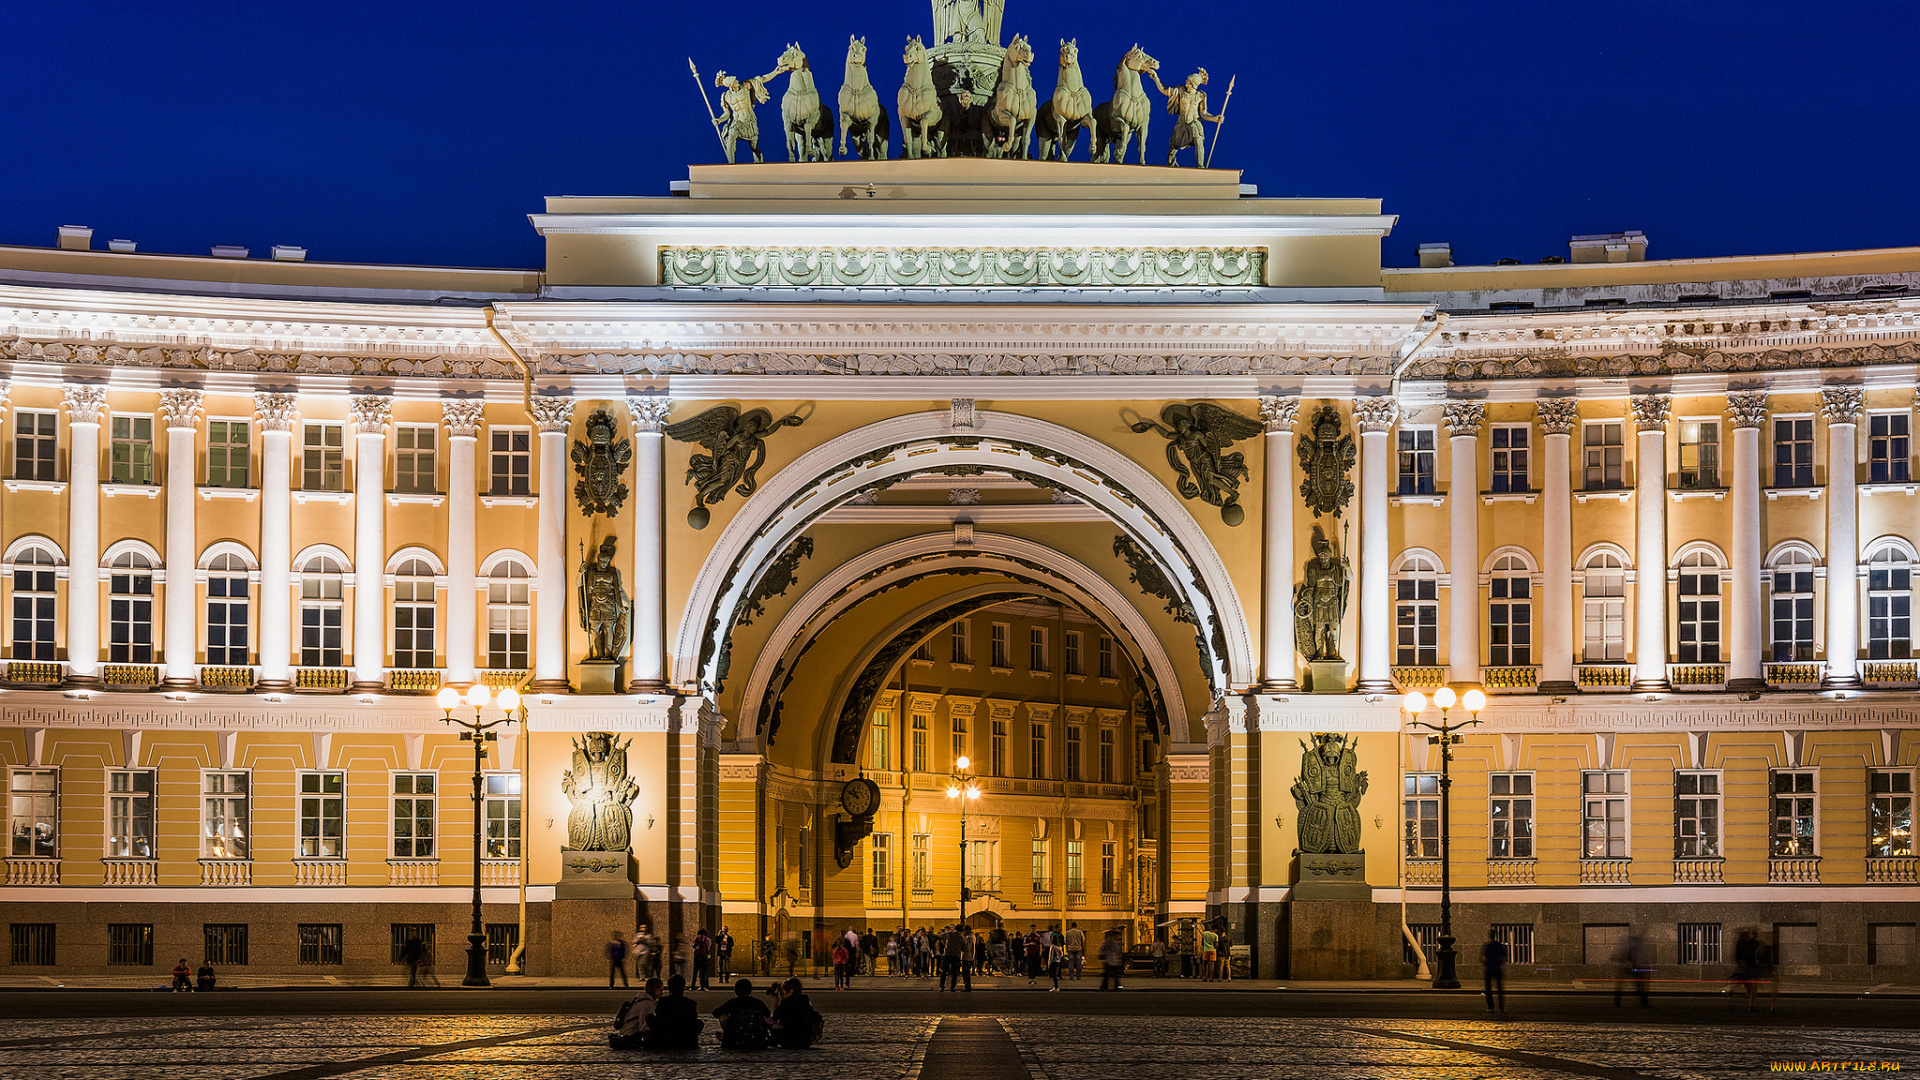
x=130, y=872
x=1897, y=870
x=1606, y=871
x=320, y=872
x=1699, y=871
x=415, y=872
x=33, y=871
x=1794, y=870
x=226, y=872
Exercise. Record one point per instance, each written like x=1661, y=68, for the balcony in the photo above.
x=231, y=680
x=1800, y=676
x=500, y=872
x=226, y=872
x=1890, y=674
x=130, y=676
x=881, y=898
x=413, y=871
x=1423, y=873
x=1697, y=676
x=496, y=678
x=1076, y=898
x=33, y=871
x=1604, y=676
x=320, y=871
x=1894, y=870
x=413, y=680
x=31, y=673
x=1418, y=678
x=321, y=680
x=988, y=884
x=131, y=872
x=1606, y=871
x=1699, y=871
x=1794, y=870
x=1510, y=680
x=1510, y=872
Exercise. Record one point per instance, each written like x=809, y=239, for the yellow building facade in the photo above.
x=257, y=512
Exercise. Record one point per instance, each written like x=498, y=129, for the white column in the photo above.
x=369, y=415
x=1747, y=605
x=1841, y=407
x=83, y=533
x=1281, y=656
x=1557, y=417
x=275, y=414
x=551, y=416
x=1650, y=545
x=463, y=627
x=649, y=544
x=1373, y=417
x=1463, y=539
x=181, y=408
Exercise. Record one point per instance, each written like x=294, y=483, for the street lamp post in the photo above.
x=1473, y=699
x=480, y=734
x=961, y=786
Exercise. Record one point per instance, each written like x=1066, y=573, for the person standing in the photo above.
x=1493, y=962
x=1159, y=951
x=644, y=956
x=1225, y=948
x=1076, y=949
x=616, y=953
x=702, y=954
x=1634, y=966
x=1209, y=954
x=723, y=951
x=1030, y=948
x=1112, y=958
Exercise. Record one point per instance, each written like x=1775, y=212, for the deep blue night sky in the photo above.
x=423, y=131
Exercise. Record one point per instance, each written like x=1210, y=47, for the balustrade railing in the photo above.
x=1418, y=678
x=415, y=872
x=131, y=871
x=226, y=872
x=1795, y=676
x=984, y=883
x=1794, y=870
x=35, y=673
x=33, y=871
x=1423, y=873
x=1604, y=676
x=1511, y=680
x=413, y=680
x=498, y=872
x=1510, y=872
x=321, y=679
x=226, y=678
x=1890, y=674
x=1606, y=871
x=320, y=872
x=126, y=675
x=1697, y=676
x=1699, y=871
x=1896, y=870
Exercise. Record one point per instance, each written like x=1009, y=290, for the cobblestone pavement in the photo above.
x=890, y=1046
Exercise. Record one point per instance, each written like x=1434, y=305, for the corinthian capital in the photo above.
x=1840, y=404
x=1463, y=418
x=1650, y=411
x=84, y=404
x=1373, y=414
x=1278, y=412
x=274, y=411
x=551, y=412
x=462, y=416
x=1557, y=415
x=649, y=411
x=369, y=413
x=1747, y=410
x=181, y=406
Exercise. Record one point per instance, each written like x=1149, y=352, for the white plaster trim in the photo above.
x=1685, y=494
x=341, y=498
x=492, y=562
x=1621, y=495
x=1809, y=492
x=57, y=487
x=309, y=894
x=33, y=540
x=151, y=491
x=1488, y=498
x=416, y=552
x=248, y=494
x=978, y=514
x=228, y=547
x=399, y=498
x=1888, y=489
x=1436, y=499
x=1590, y=895
x=491, y=501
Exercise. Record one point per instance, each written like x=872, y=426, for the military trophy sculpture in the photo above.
x=1327, y=458
x=593, y=865
x=1330, y=913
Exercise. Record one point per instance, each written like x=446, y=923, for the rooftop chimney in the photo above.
x=76, y=238
x=229, y=251
x=1435, y=255
x=289, y=253
x=1629, y=246
x=122, y=246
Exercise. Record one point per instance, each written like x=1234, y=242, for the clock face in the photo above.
x=860, y=797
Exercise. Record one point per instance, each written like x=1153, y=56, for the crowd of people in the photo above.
x=663, y=1017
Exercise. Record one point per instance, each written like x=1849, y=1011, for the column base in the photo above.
x=1650, y=686
x=1746, y=686
x=273, y=686
x=1842, y=682
x=81, y=682
x=551, y=686
x=363, y=686
x=1375, y=686
x=1559, y=687
x=173, y=682
x=647, y=686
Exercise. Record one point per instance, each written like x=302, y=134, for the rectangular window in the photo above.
x=1696, y=815
x=880, y=740
x=510, y=460
x=779, y=857
x=34, y=813
x=998, y=654
x=36, y=441
x=228, y=593
x=959, y=650
x=414, y=617
x=509, y=614
x=405, y=934
x=1700, y=453
x=320, y=608
x=1603, y=814
x=1604, y=455
x=32, y=944
x=130, y=944
x=1106, y=755
x=882, y=863
x=225, y=944
x=1037, y=751
x=1792, y=580
x=1416, y=461
x=229, y=454
x=924, y=651
x=1890, y=821
x=803, y=843
x=959, y=727
x=998, y=756
x=1422, y=819
x=1106, y=658
x=1109, y=867
x=130, y=814
x=34, y=605
x=503, y=815
x=1699, y=612
x=1889, y=442
x=1076, y=871
x=226, y=815
x=1601, y=942
x=413, y=815
x=1510, y=444
x=1073, y=665
x=918, y=762
x=1795, y=793
x=1510, y=619
x=1889, y=606
x=1416, y=618
x=130, y=611
x=502, y=939
x=1888, y=945
x=322, y=815
x=1518, y=938
x=1038, y=655
x=414, y=460
x=131, y=460
x=322, y=458
x=1073, y=751
x=1042, y=870
x=922, y=868
x=1510, y=831
x=320, y=943
x=1699, y=944
x=1793, y=452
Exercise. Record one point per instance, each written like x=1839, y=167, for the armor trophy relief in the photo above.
x=594, y=864
x=965, y=95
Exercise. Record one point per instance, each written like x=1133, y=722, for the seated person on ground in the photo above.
x=796, y=1024
x=675, y=1023
x=743, y=1019
x=204, y=977
x=629, y=1028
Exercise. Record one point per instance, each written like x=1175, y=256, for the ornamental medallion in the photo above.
x=600, y=463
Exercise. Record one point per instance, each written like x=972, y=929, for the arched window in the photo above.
x=1791, y=578
x=413, y=615
x=130, y=610
x=1416, y=618
x=229, y=598
x=508, y=616
x=33, y=604
x=321, y=586
x=1700, y=608
x=1604, y=608
x=1890, y=604
x=1510, y=613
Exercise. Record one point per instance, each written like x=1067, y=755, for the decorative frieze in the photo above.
x=813, y=267
x=1512, y=363
x=1649, y=411
x=1747, y=409
x=1065, y=362
x=1557, y=415
x=462, y=416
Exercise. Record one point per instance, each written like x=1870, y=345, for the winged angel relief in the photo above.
x=1200, y=434
x=736, y=444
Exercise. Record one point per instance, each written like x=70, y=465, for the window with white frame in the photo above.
x=413, y=615
x=1510, y=816
x=130, y=609
x=1699, y=454
x=321, y=589
x=1793, y=451
x=1076, y=868
x=1071, y=660
x=322, y=457
x=1696, y=815
x=130, y=459
x=1037, y=751
x=1890, y=820
x=1603, y=814
x=35, y=604
x=1109, y=867
x=1106, y=658
x=958, y=726
x=1889, y=448
x=502, y=815
x=959, y=649
x=917, y=761
x=880, y=740
x=1073, y=751
x=1510, y=445
x=803, y=844
x=509, y=616
x=997, y=655
x=414, y=458
x=1796, y=798
x=1416, y=460
x=1889, y=604
x=1422, y=815
x=1042, y=866
x=1510, y=613
x=1416, y=612
x=229, y=454
x=229, y=603
x=130, y=814
x=510, y=460
x=1039, y=657
x=1604, y=455
x=36, y=444
x=882, y=862
x=1106, y=755
x=1699, y=608
x=997, y=751
x=414, y=800
x=924, y=651
x=922, y=862
x=322, y=817
x=1791, y=581
x=1603, y=607
x=226, y=804
x=33, y=813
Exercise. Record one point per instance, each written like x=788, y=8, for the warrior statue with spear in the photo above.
x=1187, y=104
x=736, y=122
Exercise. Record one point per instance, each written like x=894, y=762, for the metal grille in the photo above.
x=226, y=943
x=130, y=944
x=1428, y=935
x=502, y=939
x=33, y=944
x=1699, y=943
x=1518, y=938
x=320, y=943
x=403, y=933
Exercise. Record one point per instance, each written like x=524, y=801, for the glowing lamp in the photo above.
x=447, y=698
x=1415, y=702
x=1444, y=697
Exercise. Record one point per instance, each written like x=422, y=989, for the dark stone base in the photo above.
x=1558, y=688
x=1746, y=686
x=551, y=686
x=1332, y=877
x=1330, y=939
x=581, y=930
x=595, y=875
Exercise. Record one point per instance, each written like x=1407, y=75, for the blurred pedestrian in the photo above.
x=1112, y=959
x=616, y=953
x=723, y=953
x=1493, y=962
x=1635, y=966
